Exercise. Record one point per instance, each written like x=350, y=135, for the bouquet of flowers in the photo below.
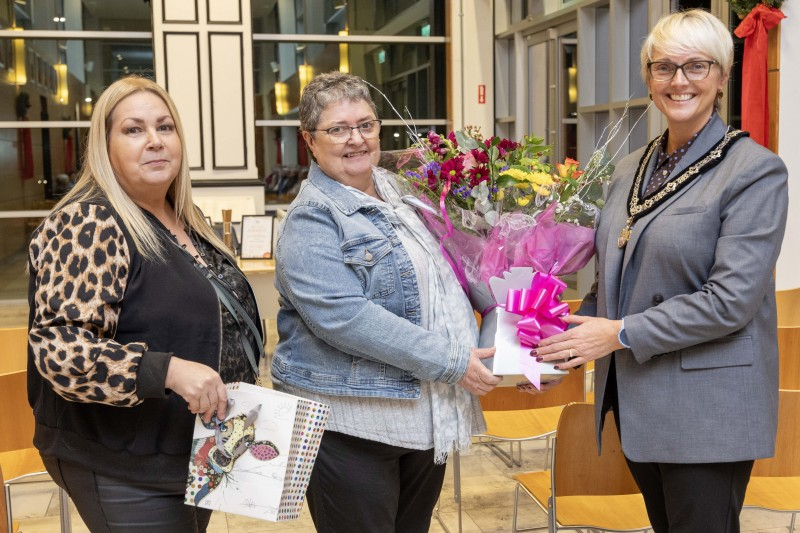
x=496, y=206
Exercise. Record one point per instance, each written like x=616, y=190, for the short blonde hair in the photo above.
x=685, y=32
x=97, y=174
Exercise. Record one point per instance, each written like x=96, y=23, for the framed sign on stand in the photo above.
x=256, y=238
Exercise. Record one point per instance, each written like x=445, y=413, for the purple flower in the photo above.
x=431, y=172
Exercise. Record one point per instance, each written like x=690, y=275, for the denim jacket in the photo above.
x=349, y=318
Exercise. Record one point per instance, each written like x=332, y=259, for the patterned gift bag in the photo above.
x=257, y=462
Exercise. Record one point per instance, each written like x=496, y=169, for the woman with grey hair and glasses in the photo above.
x=682, y=322
x=373, y=322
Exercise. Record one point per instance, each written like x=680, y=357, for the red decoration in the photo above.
x=755, y=109
x=25, y=148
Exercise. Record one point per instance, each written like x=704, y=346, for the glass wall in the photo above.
x=397, y=46
x=48, y=85
x=50, y=80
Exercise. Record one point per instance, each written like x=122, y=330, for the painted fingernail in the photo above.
x=557, y=367
x=534, y=352
x=539, y=359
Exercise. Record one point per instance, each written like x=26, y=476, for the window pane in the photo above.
x=15, y=233
x=411, y=75
x=59, y=76
x=37, y=166
x=91, y=15
x=359, y=17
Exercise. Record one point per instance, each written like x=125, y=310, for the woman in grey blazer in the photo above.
x=682, y=321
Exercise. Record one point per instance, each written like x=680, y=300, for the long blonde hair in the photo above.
x=97, y=174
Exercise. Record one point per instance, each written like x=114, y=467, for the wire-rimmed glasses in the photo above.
x=695, y=70
x=341, y=134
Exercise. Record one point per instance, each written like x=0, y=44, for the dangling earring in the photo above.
x=651, y=96
x=719, y=94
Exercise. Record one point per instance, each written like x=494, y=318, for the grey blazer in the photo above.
x=695, y=286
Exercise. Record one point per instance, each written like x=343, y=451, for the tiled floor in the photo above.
x=488, y=499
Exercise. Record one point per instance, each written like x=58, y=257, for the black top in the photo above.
x=104, y=323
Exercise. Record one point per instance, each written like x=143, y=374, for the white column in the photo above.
x=788, y=269
x=204, y=58
x=472, y=64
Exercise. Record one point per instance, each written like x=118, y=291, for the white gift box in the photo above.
x=499, y=329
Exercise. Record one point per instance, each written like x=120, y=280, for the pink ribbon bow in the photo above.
x=540, y=309
x=541, y=317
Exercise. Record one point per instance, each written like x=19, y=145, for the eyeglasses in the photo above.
x=692, y=70
x=341, y=134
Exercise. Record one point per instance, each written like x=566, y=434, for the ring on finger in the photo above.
x=570, y=357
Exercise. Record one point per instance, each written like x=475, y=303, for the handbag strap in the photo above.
x=240, y=315
x=236, y=310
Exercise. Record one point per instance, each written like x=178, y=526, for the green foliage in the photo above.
x=743, y=7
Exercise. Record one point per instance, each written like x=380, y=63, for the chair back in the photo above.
x=579, y=470
x=17, y=422
x=789, y=357
x=788, y=303
x=13, y=349
x=786, y=461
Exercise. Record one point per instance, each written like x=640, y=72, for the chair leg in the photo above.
x=456, y=461
x=457, y=484
x=548, y=445
x=506, y=456
x=516, y=509
x=66, y=522
x=8, y=517
x=791, y=525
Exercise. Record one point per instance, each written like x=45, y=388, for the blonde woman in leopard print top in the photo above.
x=128, y=340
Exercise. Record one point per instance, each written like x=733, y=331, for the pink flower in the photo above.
x=470, y=160
x=477, y=175
x=434, y=139
x=505, y=146
x=480, y=156
x=452, y=138
x=452, y=170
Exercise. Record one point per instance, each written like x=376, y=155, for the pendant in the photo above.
x=625, y=234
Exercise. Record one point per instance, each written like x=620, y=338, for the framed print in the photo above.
x=257, y=236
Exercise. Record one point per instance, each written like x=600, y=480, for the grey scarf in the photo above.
x=456, y=413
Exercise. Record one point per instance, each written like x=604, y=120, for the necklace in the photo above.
x=639, y=206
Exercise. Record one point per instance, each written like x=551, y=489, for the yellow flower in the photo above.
x=528, y=178
x=525, y=200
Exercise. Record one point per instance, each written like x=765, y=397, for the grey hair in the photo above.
x=685, y=32
x=328, y=88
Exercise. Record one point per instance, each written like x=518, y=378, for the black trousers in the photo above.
x=359, y=485
x=108, y=505
x=693, y=498
x=686, y=498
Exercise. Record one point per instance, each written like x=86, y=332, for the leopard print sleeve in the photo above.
x=81, y=262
